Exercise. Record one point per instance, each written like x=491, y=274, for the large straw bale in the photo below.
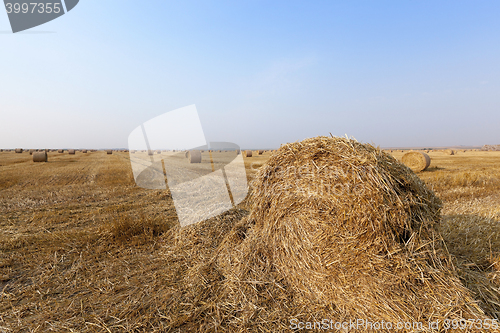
x=337, y=230
x=19, y=150
x=248, y=153
x=261, y=152
x=416, y=160
x=60, y=151
x=109, y=151
x=40, y=156
x=71, y=151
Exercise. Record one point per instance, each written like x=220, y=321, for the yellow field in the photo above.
x=83, y=249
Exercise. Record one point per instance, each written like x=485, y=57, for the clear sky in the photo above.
x=261, y=73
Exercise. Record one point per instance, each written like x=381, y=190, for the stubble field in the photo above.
x=83, y=249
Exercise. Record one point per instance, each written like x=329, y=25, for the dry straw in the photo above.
x=194, y=156
x=71, y=152
x=261, y=152
x=19, y=150
x=416, y=160
x=84, y=151
x=109, y=151
x=40, y=156
x=60, y=151
x=248, y=153
x=337, y=230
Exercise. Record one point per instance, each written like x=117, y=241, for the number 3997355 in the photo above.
x=33, y=7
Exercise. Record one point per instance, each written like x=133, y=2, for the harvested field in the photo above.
x=83, y=249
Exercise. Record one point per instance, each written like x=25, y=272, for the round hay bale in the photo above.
x=60, y=151
x=150, y=153
x=84, y=151
x=337, y=229
x=194, y=156
x=109, y=151
x=186, y=154
x=31, y=151
x=416, y=160
x=19, y=150
x=71, y=151
x=40, y=156
x=248, y=153
x=261, y=152
x=449, y=152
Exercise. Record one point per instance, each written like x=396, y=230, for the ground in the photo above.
x=82, y=248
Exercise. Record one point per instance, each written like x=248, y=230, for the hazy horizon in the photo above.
x=394, y=74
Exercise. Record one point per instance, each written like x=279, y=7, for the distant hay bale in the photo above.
x=19, y=150
x=416, y=160
x=248, y=153
x=449, y=152
x=40, y=156
x=60, y=151
x=71, y=151
x=261, y=152
x=186, y=154
x=31, y=151
x=194, y=156
x=84, y=151
x=109, y=151
x=150, y=153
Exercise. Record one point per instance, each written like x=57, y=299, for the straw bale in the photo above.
x=19, y=150
x=109, y=151
x=449, y=152
x=416, y=160
x=194, y=156
x=40, y=156
x=248, y=153
x=71, y=151
x=84, y=151
x=261, y=152
x=337, y=230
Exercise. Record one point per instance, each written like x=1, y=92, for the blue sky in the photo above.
x=261, y=73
